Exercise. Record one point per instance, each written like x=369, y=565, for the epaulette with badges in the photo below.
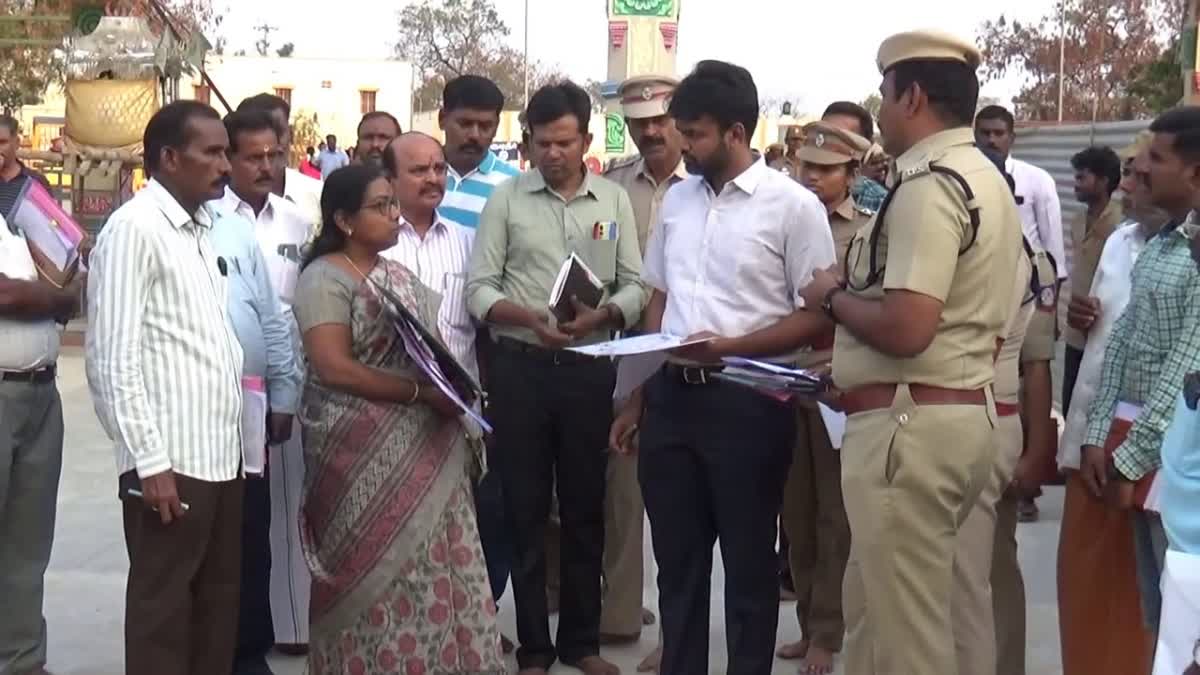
x=621, y=163
x=919, y=169
x=864, y=210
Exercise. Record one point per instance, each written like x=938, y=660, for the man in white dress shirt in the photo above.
x=290, y=184
x=433, y=248
x=164, y=366
x=31, y=443
x=287, y=220
x=251, y=214
x=733, y=245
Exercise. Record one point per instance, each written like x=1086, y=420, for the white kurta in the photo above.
x=281, y=229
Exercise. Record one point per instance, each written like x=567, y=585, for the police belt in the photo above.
x=879, y=396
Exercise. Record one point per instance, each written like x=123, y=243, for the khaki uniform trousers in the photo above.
x=814, y=518
x=978, y=600
x=910, y=476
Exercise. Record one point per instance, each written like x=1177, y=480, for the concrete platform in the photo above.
x=86, y=580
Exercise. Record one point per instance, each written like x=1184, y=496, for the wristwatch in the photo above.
x=827, y=303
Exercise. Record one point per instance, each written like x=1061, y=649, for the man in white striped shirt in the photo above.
x=434, y=248
x=164, y=367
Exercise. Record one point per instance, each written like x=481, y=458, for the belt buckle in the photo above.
x=700, y=378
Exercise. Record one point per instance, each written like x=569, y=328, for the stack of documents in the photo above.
x=52, y=235
x=771, y=378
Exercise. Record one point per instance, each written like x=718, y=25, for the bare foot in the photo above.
x=594, y=665
x=506, y=645
x=652, y=662
x=648, y=617
x=818, y=662
x=793, y=650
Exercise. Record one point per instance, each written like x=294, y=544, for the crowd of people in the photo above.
x=292, y=478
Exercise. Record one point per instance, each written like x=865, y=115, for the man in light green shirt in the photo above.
x=552, y=408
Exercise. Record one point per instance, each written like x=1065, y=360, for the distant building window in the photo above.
x=367, y=99
x=284, y=93
x=201, y=93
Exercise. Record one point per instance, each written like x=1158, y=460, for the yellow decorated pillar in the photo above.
x=643, y=37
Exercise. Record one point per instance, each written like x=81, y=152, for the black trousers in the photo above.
x=256, y=632
x=1072, y=358
x=713, y=462
x=551, y=417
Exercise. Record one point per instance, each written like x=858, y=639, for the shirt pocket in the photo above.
x=601, y=256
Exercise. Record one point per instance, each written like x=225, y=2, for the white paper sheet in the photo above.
x=835, y=425
x=1180, y=615
x=633, y=371
x=254, y=424
x=641, y=344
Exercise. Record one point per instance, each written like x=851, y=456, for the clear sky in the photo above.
x=808, y=51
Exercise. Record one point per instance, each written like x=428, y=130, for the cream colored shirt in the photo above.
x=925, y=228
x=24, y=345
x=645, y=194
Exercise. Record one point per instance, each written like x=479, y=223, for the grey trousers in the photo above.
x=31, y=439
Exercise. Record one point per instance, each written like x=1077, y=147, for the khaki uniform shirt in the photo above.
x=527, y=231
x=644, y=193
x=1088, y=242
x=789, y=166
x=926, y=227
x=1008, y=379
x=845, y=221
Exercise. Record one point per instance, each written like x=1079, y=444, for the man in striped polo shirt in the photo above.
x=469, y=117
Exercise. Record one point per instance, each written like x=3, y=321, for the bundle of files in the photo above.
x=434, y=360
x=771, y=378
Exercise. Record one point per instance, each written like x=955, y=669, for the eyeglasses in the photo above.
x=383, y=207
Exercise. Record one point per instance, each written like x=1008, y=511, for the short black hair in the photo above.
x=723, y=91
x=951, y=85
x=555, y=101
x=474, y=92
x=267, y=103
x=375, y=115
x=850, y=109
x=345, y=190
x=996, y=112
x=246, y=121
x=9, y=122
x=1183, y=123
x=169, y=128
x=1101, y=161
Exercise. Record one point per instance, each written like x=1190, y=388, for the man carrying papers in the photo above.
x=734, y=244
x=551, y=408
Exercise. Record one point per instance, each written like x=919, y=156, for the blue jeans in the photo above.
x=1150, y=548
x=493, y=535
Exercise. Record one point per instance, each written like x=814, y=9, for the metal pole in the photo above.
x=1062, y=50
x=526, y=52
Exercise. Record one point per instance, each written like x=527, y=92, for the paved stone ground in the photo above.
x=86, y=580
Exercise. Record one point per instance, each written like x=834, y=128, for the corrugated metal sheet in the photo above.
x=1051, y=148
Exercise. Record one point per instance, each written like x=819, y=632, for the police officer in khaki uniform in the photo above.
x=918, y=323
x=646, y=177
x=793, y=140
x=814, y=516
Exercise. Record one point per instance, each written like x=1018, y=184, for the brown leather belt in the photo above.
x=1007, y=409
x=877, y=396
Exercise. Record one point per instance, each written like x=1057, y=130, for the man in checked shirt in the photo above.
x=1147, y=357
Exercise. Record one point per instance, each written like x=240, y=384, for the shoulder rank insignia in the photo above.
x=864, y=210
x=919, y=169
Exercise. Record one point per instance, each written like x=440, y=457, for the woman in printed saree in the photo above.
x=387, y=522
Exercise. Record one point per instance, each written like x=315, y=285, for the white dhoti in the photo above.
x=290, y=582
x=1179, y=624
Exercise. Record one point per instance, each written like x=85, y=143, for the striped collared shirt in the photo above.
x=163, y=362
x=440, y=261
x=466, y=195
